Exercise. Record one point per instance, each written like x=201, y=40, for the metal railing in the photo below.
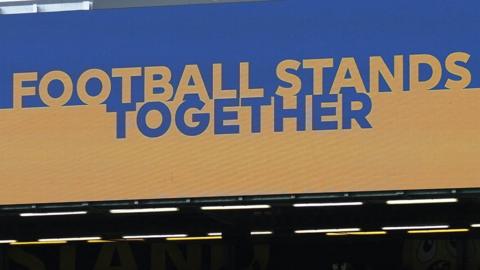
x=39, y=6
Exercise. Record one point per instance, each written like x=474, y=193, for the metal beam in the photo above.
x=105, y=4
x=36, y=6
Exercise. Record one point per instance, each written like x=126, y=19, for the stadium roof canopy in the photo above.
x=37, y=6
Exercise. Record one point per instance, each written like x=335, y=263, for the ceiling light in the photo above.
x=422, y=201
x=144, y=210
x=439, y=231
x=53, y=214
x=332, y=204
x=154, y=236
x=235, y=207
x=328, y=230
x=69, y=239
x=416, y=227
x=38, y=243
x=7, y=241
x=358, y=233
x=194, y=238
x=261, y=232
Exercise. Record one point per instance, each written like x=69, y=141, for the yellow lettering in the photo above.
x=455, y=69
x=67, y=92
x=290, y=78
x=318, y=66
x=104, y=93
x=151, y=83
x=19, y=91
x=424, y=59
x=348, y=66
x=191, y=74
x=245, y=90
x=379, y=67
x=218, y=91
x=126, y=74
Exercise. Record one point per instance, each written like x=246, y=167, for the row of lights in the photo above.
x=410, y=229
x=244, y=207
x=217, y=235
x=97, y=239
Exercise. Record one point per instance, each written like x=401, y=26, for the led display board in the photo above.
x=271, y=97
